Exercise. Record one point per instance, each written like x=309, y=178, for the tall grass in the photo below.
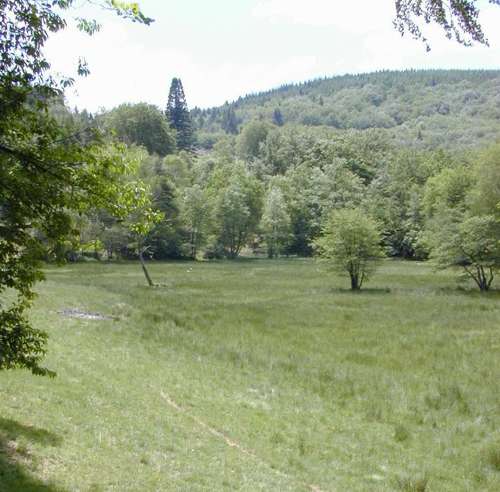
x=257, y=375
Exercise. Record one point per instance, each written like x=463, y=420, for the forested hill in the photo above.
x=423, y=108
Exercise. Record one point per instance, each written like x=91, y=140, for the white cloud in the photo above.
x=356, y=16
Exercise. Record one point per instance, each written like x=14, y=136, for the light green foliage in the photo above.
x=447, y=190
x=178, y=168
x=279, y=151
x=485, y=197
x=141, y=124
x=313, y=191
x=275, y=223
x=128, y=10
x=251, y=138
x=470, y=242
x=237, y=208
x=336, y=186
x=463, y=227
x=225, y=150
x=275, y=355
x=195, y=216
x=351, y=240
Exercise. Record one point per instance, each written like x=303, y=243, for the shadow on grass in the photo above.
x=368, y=290
x=15, y=458
x=474, y=292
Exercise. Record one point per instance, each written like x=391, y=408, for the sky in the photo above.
x=223, y=49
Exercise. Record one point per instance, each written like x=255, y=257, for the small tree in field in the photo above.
x=463, y=225
x=351, y=240
x=472, y=243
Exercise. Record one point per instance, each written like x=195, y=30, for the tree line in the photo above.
x=274, y=189
x=423, y=109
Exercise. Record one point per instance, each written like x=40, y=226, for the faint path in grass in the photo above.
x=233, y=444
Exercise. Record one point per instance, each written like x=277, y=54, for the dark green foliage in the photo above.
x=178, y=115
x=49, y=170
x=25, y=27
x=395, y=197
x=278, y=117
x=166, y=238
x=229, y=121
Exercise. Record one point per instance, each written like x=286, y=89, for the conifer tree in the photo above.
x=229, y=121
x=178, y=115
x=278, y=117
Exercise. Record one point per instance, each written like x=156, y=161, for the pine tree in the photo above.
x=229, y=121
x=278, y=117
x=178, y=115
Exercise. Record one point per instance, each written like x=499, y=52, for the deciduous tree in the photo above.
x=142, y=124
x=46, y=173
x=351, y=241
x=275, y=223
x=471, y=243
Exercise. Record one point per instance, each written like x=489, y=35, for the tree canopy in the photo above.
x=142, y=124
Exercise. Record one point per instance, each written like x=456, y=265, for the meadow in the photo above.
x=257, y=375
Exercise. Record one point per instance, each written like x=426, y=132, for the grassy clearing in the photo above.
x=257, y=375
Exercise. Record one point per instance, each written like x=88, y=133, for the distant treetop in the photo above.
x=178, y=115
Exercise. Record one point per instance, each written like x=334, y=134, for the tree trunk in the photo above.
x=354, y=282
x=483, y=282
x=144, y=269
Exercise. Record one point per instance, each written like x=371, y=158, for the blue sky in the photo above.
x=222, y=49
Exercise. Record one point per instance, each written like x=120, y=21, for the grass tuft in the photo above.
x=401, y=433
x=492, y=456
x=412, y=484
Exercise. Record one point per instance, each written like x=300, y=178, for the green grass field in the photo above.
x=257, y=375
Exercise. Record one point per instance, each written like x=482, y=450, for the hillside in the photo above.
x=424, y=108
